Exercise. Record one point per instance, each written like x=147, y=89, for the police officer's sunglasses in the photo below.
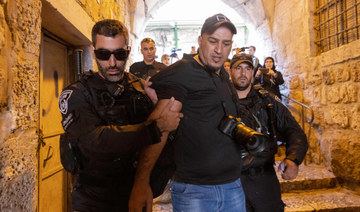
x=104, y=54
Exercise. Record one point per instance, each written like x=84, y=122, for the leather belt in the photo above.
x=257, y=170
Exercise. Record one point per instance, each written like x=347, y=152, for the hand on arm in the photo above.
x=167, y=115
x=169, y=118
x=272, y=73
x=290, y=169
x=150, y=91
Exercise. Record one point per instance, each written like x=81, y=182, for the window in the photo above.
x=337, y=22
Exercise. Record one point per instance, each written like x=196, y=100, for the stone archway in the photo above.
x=254, y=12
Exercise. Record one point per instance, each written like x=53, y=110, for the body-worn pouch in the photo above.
x=68, y=156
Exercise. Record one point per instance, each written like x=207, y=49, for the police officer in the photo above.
x=264, y=113
x=106, y=114
x=149, y=66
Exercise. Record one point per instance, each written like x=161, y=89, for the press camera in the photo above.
x=253, y=141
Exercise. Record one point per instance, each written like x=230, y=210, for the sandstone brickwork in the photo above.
x=329, y=83
x=20, y=38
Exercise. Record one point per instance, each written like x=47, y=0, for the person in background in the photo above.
x=261, y=186
x=165, y=59
x=257, y=65
x=208, y=162
x=147, y=67
x=105, y=117
x=269, y=78
x=193, y=50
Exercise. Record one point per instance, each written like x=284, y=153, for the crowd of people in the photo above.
x=200, y=114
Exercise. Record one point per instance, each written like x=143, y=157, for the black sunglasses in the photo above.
x=104, y=54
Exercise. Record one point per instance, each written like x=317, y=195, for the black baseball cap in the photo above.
x=214, y=22
x=241, y=58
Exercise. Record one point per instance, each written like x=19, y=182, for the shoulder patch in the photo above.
x=63, y=101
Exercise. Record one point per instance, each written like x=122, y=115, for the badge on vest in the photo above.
x=63, y=101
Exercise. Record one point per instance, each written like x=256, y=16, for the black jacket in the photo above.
x=285, y=126
x=270, y=83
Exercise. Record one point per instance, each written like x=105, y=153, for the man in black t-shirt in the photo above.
x=147, y=67
x=208, y=162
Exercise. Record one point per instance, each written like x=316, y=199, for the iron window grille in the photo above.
x=336, y=23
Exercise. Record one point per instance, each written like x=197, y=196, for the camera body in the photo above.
x=244, y=48
x=264, y=70
x=239, y=50
x=253, y=141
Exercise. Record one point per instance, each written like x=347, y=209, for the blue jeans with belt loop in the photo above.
x=227, y=197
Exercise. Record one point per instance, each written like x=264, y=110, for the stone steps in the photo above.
x=316, y=189
x=336, y=199
x=310, y=177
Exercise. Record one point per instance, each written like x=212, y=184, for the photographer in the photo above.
x=270, y=117
x=269, y=77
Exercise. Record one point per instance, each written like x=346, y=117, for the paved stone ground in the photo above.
x=325, y=200
x=300, y=195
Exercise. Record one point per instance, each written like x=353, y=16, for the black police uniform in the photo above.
x=107, y=121
x=261, y=186
x=142, y=70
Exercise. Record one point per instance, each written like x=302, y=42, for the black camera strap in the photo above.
x=231, y=90
x=222, y=77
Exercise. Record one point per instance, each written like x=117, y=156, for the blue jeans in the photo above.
x=228, y=197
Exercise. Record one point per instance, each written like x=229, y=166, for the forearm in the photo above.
x=294, y=136
x=118, y=140
x=147, y=159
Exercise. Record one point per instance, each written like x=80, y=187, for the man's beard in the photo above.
x=212, y=69
x=111, y=77
x=240, y=87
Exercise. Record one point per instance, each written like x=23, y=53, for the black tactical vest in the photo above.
x=118, y=103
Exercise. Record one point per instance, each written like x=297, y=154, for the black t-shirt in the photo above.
x=141, y=70
x=203, y=154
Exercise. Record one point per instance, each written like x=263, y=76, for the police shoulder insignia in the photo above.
x=63, y=101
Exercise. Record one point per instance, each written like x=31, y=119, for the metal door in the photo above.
x=53, y=180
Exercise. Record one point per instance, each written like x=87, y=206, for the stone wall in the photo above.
x=20, y=37
x=328, y=82
x=20, y=27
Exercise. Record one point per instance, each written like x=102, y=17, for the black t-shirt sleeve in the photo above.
x=172, y=82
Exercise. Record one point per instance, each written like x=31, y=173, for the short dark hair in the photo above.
x=253, y=47
x=109, y=28
x=147, y=40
